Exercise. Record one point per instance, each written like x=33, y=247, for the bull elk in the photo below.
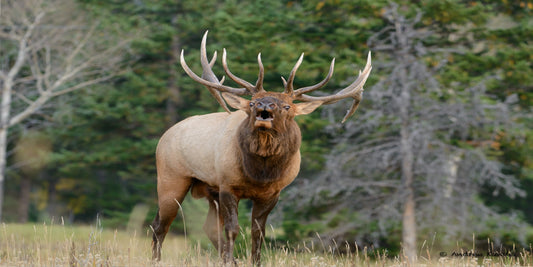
x=252, y=153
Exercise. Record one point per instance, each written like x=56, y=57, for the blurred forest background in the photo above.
x=441, y=144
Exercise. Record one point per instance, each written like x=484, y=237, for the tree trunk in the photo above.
x=3, y=148
x=406, y=150
x=5, y=110
x=174, y=99
x=52, y=208
x=408, y=219
x=409, y=230
x=24, y=199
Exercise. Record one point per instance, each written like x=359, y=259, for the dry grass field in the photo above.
x=56, y=244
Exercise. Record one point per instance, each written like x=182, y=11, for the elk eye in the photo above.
x=252, y=104
x=287, y=107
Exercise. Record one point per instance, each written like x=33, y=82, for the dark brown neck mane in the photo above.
x=266, y=153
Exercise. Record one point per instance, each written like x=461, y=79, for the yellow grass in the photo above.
x=57, y=244
x=62, y=245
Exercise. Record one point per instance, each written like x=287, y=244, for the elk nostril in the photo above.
x=272, y=106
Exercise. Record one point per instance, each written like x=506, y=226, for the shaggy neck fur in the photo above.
x=265, y=153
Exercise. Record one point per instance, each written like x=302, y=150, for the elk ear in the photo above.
x=306, y=107
x=236, y=102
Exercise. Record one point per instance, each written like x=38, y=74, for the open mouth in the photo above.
x=264, y=116
x=264, y=119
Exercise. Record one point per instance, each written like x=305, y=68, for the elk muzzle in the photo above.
x=264, y=113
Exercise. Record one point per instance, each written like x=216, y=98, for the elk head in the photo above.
x=265, y=108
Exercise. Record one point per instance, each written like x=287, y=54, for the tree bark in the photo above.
x=3, y=148
x=408, y=216
x=52, y=207
x=174, y=99
x=5, y=110
x=408, y=220
x=406, y=150
x=24, y=199
x=406, y=146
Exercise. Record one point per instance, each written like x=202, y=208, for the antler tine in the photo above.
x=360, y=81
x=251, y=88
x=354, y=90
x=261, y=75
x=207, y=72
x=284, y=82
x=218, y=86
x=203, y=58
x=318, y=85
x=208, y=78
x=213, y=60
x=214, y=92
x=289, y=87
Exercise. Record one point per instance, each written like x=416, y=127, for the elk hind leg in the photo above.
x=214, y=224
x=170, y=196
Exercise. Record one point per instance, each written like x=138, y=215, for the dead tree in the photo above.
x=399, y=164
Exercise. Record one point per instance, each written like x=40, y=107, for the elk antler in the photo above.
x=251, y=88
x=211, y=81
x=354, y=90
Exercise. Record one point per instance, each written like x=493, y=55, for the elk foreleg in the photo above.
x=261, y=209
x=228, y=206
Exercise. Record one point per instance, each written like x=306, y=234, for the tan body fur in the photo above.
x=206, y=148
